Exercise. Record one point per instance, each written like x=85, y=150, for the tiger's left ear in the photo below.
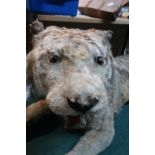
x=106, y=35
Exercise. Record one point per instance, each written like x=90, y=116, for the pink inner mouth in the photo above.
x=73, y=120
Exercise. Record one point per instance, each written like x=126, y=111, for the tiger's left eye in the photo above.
x=54, y=59
x=100, y=60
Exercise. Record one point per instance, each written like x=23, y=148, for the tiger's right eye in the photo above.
x=54, y=59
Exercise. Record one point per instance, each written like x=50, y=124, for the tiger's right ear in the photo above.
x=36, y=27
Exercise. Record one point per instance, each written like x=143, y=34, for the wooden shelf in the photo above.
x=81, y=19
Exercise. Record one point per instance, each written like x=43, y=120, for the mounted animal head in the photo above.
x=72, y=68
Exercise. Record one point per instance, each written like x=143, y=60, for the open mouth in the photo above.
x=73, y=120
x=73, y=123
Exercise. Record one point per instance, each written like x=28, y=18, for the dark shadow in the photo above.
x=41, y=127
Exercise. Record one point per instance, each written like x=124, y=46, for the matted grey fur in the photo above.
x=76, y=72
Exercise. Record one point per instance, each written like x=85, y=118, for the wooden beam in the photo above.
x=80, y=19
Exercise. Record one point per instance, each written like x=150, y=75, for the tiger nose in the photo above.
x=75, y=103
x=93, y=100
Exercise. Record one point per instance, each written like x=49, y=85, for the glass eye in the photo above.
x=54, y=59
x=100, y=60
